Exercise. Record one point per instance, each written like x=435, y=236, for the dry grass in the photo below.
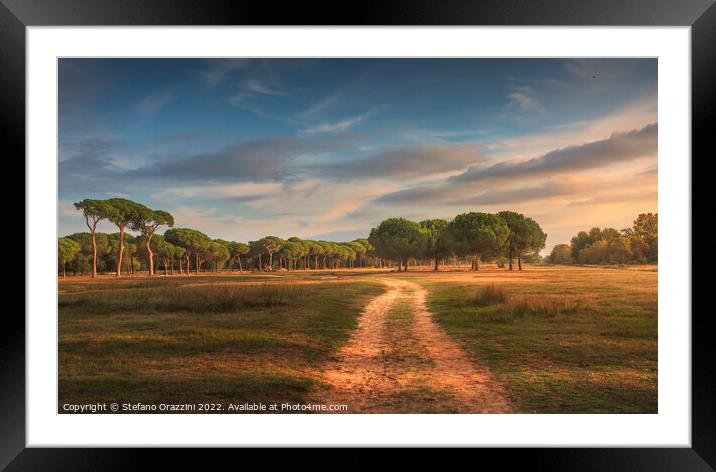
x=219, y=298
x=185, y=340
x=564, y=339
x=490, y=295
x=560, y=339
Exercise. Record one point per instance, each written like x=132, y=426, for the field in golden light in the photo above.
x=549, y=339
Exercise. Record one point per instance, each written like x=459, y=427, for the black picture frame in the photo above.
x=16, y=15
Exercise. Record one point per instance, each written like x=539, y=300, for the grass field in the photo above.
x=201, y=339
x=558, y=339
x=561, y=339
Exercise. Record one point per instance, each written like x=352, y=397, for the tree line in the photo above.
x=638, y=244
x=472, y=237
x=469, y=238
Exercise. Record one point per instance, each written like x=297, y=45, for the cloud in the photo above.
x=243, y=102
x=86, y=165
x=253, y=87
x=238, y=99
x=244, y=198
x=248, y=193
x=248, y=97
x=339, y=211
x=152, y=104
x=620, y=197
x=524, y=99
x=343, y=235
x=320, y=106
x=257, y=86
x=414, y=161
x=466, y=194
x=87, y=156
x=421, y=194
x=554, y=188
x=333, y=127
x=217, y=70
x=597, y=71
x=258, y=160
x=619, y=147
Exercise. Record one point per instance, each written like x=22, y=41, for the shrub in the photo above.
x=546, y=306
x=490, y=295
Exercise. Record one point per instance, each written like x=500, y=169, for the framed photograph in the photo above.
x=426, y=225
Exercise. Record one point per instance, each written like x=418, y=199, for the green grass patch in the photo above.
x=167, y=341
x=587, y=344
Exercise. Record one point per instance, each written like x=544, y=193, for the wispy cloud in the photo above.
x=619, y=147
x=257, y=86
x=320, y=106
x=337, y=126
x=237, y=192
x=247, y=98
x=339, y=210
x=326, y=147
x=649, y=195
x=152, y=104
x=218, y=70
x=256, y=161
x=465, y=194
x=407, y=162
x=524, y=98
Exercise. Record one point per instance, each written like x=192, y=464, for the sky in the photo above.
x=327, y=148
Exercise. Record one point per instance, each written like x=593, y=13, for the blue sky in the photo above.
x=242, y=148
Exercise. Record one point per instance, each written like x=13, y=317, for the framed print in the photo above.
x=275, y=228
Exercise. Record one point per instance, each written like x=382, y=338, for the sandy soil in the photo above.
x=408, y=366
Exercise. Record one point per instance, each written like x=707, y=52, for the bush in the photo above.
x=548, y=307
x=490, y=295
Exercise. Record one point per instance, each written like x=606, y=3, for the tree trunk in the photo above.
x=151, y=255
x=165, y=269
x=519, y=261
x=509, y=256
x=436, y=262
x=121, y=250
x=477, y=262
x=197, y=263
x=64, y=270
x=94, y=250
x=241, y=269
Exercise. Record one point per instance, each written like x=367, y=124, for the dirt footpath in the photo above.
x=400, y=361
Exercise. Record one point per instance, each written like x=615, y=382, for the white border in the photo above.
x=671, y=427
